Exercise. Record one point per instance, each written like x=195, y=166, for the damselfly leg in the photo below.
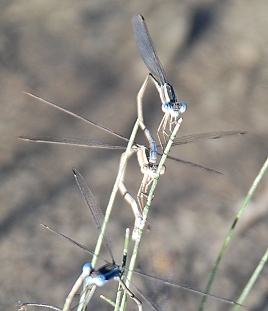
x=111, y=270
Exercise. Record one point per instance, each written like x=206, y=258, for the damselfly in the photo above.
x=98, y=277
x=93, y=144
x=144, y=155
x=170, y=105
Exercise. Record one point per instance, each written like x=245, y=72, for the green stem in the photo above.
x=124, y=261
x=122, y=168
x=252, y=280
x=230, y=233
x=121, y=171
x=146, y=211
x=111, y=302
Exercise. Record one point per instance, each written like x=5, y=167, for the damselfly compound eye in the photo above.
x=183, y=107
x=87, y=268
x=100, y=280
x=166, y=107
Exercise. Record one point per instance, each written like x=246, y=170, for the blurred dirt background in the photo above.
x=82, y=55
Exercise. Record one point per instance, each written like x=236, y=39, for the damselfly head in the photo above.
x=95, y=279
x=151, y=169
x=174, y=109
x=169, y=101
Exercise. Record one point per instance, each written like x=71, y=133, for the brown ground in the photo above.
x=82, y=55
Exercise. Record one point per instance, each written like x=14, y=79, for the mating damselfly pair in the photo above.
x=148, y=165
x=93, y=278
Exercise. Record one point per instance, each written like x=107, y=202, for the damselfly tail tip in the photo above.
x=35, y=139
x=75, y=171
x=22, y=138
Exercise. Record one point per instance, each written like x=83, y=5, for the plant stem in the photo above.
x=121, y=170
x=231, y=231
x=146, y=211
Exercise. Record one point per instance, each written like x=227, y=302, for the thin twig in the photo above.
x=146, y=211
x=121, y=170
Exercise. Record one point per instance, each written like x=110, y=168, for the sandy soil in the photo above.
x=82, y=55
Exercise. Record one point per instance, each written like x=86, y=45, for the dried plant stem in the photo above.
x=121, y=171
x=146, y=211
